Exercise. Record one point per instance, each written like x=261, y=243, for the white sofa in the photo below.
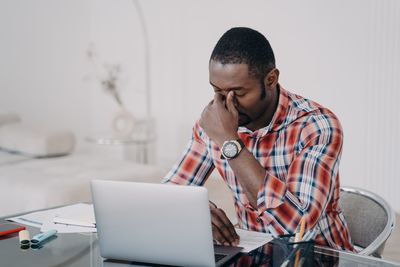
x=30, y=184
x=45, y=170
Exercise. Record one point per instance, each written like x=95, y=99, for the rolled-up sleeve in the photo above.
x=195, y=165
x=310, y=178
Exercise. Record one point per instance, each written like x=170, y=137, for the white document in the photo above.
x=80, y=212
x=250, y=240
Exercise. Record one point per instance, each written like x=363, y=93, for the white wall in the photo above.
x=343, y=54
x=42, y=67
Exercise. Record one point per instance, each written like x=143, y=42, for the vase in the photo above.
x=123, y=124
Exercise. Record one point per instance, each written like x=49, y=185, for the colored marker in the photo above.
x=24, y=237
x=43, y=236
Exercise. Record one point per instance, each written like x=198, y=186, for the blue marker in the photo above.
x=42, y=237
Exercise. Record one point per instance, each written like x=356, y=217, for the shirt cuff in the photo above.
x=271, y=194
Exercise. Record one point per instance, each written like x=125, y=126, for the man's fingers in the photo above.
x=227, y=223
x=212, y=204
x=222, y=236
x=218, y=236
x=230, y=104
x=225, y=235
x=226, y=231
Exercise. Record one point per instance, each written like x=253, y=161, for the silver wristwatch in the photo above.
x=231, y=149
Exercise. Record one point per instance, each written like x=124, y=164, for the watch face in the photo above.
x=230, y=150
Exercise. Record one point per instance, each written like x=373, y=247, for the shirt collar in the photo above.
x=278, y=119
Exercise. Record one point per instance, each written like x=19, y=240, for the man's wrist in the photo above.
x=228, y=138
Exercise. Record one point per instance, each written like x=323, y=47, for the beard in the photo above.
x=244, y=119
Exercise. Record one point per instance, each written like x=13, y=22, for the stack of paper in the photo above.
x=250, y=240
x=77, y=218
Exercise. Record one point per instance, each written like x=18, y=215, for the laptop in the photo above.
x=156, y=223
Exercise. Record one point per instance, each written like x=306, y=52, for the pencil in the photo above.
x=300, y=234
x=299, y=237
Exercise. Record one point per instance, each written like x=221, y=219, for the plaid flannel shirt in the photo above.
x=300, y=150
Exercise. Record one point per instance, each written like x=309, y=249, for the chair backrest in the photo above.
x=369, y=217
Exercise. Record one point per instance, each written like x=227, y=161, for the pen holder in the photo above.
x=285, y=252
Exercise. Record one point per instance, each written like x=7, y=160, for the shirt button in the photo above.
x=258, y=219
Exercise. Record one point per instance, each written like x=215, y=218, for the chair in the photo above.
x=370, y=219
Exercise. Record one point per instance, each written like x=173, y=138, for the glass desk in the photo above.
x=79, y=250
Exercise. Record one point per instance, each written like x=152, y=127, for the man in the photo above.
x=277, y=152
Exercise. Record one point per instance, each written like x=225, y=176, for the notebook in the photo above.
x=156, y=223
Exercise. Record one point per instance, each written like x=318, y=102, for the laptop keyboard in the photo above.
x=219, y=257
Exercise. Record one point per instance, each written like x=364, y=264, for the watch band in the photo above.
x=241, y=146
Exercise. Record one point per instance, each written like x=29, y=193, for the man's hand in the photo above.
x=223, y=231
x=220, y=119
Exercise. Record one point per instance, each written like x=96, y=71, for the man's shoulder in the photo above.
x=303, y=109
x=313, y=118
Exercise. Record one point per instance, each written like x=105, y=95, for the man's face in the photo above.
x=250, y=101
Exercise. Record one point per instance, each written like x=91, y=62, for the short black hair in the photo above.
x=243, y=45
